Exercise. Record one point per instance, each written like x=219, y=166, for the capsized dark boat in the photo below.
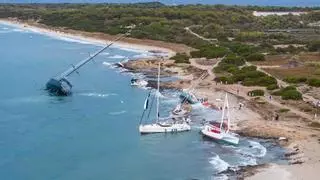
x=60, y=86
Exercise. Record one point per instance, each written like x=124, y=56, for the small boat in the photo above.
x=188, y=97
x=221, y=131
x=138, y=82
x=181, y=110
x=172, y=124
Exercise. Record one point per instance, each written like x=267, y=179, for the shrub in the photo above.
x=283, y=110
x=295, y=79
x=291, y=94
x=209, y=51
x=257, y=92
x=235, y=60
x=272, y=87
x=314, y=82
x=181, y=58
x=255, y=57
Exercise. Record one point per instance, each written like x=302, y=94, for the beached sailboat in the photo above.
x=163, y=125
x=188, y=94
x=60, y=86
x=221, y=131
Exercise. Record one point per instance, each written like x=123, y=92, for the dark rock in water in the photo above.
x=242, y=172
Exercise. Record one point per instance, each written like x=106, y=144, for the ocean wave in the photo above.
x=219, y=164
x=261, y=150
x=98, y=95
x=19, y=30
x=255, y=149
x=117, y=112
x=117, y=57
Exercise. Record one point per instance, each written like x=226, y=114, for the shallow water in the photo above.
x=93, y=133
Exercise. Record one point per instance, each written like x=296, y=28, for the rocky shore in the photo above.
x=255, y=119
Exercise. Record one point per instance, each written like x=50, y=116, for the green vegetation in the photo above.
x=247, y=75
x=209, y=51
x=314, y=46
x=295, y=80
x=160, y=22
x=272, y=87
x=257, y=92
x=314, y=82
x=181, y=58
x=255, y=57
x=289, y=92
x=283, y=110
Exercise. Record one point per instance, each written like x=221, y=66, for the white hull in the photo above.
x=222, y=136
x=164, y=128
x=140, y=83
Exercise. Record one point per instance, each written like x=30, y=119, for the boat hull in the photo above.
x=223, y=137
x=58, y=88
x=157, y=128
x=184, y=96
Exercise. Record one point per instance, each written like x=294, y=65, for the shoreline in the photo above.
x=254, y=120
x=99, y=39
x=249, y=119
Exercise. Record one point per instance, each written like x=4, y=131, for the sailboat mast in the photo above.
x=158, y=92
x=223, y=111
x=82, y=63
x=228, y=115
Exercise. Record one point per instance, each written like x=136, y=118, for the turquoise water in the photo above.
x=93, y=133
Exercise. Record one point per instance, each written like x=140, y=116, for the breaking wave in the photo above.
x=219, y=164
x=117, y=57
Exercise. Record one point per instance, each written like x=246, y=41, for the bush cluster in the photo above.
x=181, y=58
x=257, y=92
x=289, y=92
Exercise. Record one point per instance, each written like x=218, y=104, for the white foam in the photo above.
x=219, y=164
x=117, y=57
x=261, y=150
x=98, y=95
x=117, y=113
x=104, y=53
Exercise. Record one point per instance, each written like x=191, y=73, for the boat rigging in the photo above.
x=60, y=86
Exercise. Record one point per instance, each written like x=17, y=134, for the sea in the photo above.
x=93, y=134
x=300, y=3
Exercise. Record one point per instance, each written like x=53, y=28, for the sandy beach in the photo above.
x=130, y=44
x=254, y=119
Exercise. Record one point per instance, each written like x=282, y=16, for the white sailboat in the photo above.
x=221, y=131
x=163, y=125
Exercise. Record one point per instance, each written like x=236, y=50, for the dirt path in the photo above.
x=199, y=36
x=242, y=91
